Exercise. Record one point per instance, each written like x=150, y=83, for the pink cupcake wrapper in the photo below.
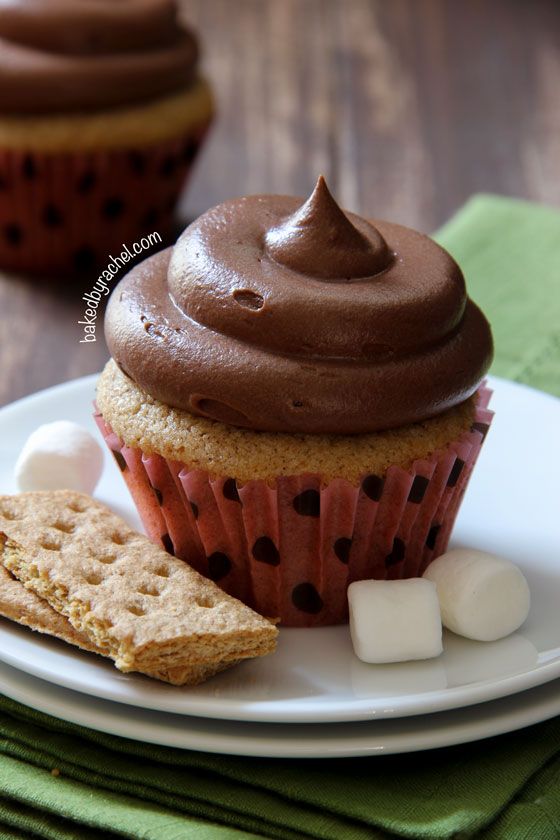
x=68, y=211
x=291, y=549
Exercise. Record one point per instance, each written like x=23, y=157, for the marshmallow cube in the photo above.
x=394, y=620
x=60, y=456
x=482, y=597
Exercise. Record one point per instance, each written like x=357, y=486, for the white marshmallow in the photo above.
x=481, y=596
x=59, y=456
x=394, y=620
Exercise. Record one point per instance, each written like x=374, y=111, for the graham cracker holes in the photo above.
x=148, y=590
x=93, y=579
x=117, y=538
x=76, y=507
x=51, y=544
x=202, y=601
x=136, y=610
x=162, y=571
x=107, y=558
x=65, y=527
x=9, y=514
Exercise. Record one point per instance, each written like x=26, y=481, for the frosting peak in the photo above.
x=320, y=240
x=242, y=323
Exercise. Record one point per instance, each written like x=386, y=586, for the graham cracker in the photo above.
x=135, y=603
x=24, y=607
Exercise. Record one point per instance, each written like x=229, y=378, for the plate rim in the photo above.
x=399, y=706
x=274, y=740
x=256, y=711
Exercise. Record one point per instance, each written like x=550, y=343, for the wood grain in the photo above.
x=407, y=106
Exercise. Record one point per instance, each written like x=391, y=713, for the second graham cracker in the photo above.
x=144, y=608
x=24, y=607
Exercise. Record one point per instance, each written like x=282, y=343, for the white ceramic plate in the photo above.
x=511, y=508
x=320, y=740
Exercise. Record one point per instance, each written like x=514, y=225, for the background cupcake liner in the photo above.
x=290, y=550
x=67, y=212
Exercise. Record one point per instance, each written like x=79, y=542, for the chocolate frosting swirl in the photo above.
x=63, y=55
x=280, y=317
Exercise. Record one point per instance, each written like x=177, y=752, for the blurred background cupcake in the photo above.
x=295, y=400
x=102, y=113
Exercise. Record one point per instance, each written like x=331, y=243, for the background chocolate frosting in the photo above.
x=64, y=55
x=280, y=317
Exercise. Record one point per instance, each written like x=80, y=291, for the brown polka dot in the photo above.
x=432, y=536
x=230, y=490
x=219, y=565
x=480, y=427
x=397, y=553
x=137, y=162
x=52, y=217
x=418, y=489
x=150, y=218
x=86, y=182
x=113, y=207
x=84, y=259
x=194, y=508
x=189, y=151
x=119, y=458
x=29, y=168
x=306, y=598
x=265, y=551
x=342, y=548
x=158, y=494
x=168, y=544
x=456, y=471
x=13, y=234
x=308, y=503
x=372, y=485
x=168, y=166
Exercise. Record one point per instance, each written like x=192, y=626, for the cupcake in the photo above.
x=295, y=400
x=102, y=113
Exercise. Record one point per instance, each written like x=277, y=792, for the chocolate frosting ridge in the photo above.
x=238, y=322
x=62, y=56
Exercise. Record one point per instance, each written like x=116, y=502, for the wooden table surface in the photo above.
x=407, y=106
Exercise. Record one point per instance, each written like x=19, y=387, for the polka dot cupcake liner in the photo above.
x=67, y=212
x=290, y=549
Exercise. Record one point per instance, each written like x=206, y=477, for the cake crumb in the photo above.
x=55, y=771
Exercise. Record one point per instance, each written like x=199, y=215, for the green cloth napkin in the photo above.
x=506, y=788
x=510, y=253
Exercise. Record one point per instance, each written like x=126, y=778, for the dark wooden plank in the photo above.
x=408, y=107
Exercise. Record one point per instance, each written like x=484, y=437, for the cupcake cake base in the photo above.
x=289, y=545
